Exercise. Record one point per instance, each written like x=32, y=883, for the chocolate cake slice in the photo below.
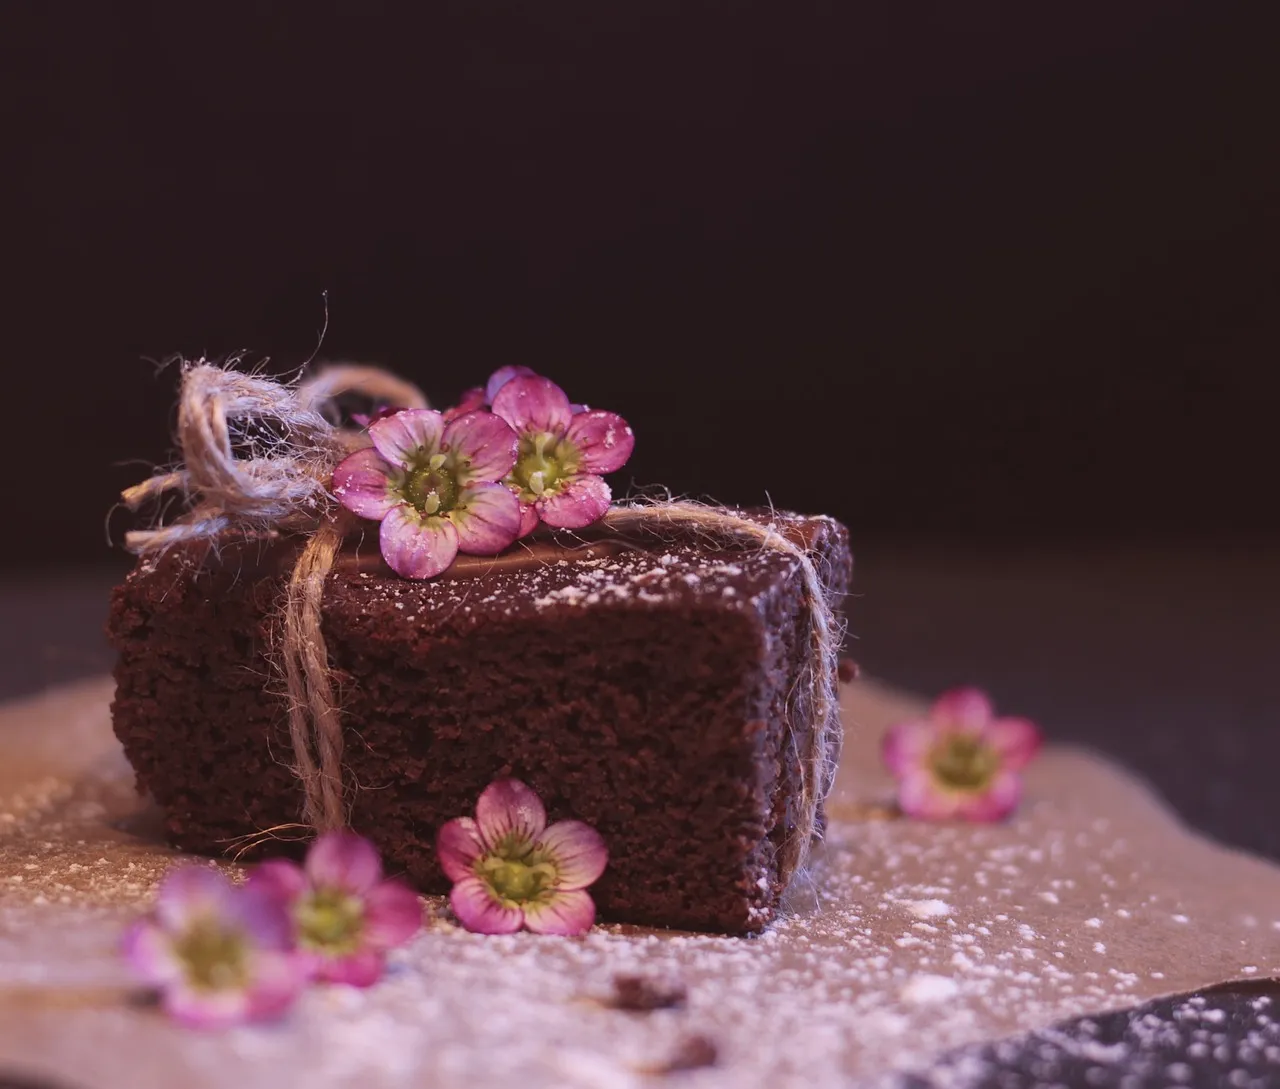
x=639, y=685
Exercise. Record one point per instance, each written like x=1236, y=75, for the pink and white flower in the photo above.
x=561, y=453
x=511, y=871
x=218, y=954
x=346, y=916
x=433, y=484
x=961, y=762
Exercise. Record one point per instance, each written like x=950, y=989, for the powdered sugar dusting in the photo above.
x=909, y=940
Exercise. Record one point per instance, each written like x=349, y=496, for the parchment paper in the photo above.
x=910, y=940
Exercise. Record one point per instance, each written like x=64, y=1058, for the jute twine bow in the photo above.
x=258, y=457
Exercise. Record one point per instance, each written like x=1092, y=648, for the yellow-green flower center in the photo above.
x=215, y=957
x=543, y=464
x=432, y=485
x=330, y=921
x=517, y=872
x=962, y=762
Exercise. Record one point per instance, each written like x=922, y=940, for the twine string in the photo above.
x=282, y=487
x=816, y=749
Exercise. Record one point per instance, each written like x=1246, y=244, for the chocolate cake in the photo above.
x=639, y=685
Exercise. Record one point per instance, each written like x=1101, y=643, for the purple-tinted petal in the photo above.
x=578, y=503
x=458, y=845
x=533, y=404
x=414, y=546
x=508, y=808
x=190, y=892
x=993, y=804
x=278, y=979
x=362, y=484
x=483, y=444
x=280, y=878
x=487, y=518
x=906, y=746
x=921, y=798
x=479, y=912
x=200, y=1008
x=963, y=709
x=577, y=851
x=1016, y=740
x=343, y=860
x=564, y=913
x=501, y=377
x=392, y=915
x=528, y=519
x=361, y=969
x=265, y=919
x=470, y=400
x=604, y=441
x=149, y=952
x=399, y=438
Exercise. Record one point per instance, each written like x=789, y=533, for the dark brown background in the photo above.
x=994, y=282
x=985, y=268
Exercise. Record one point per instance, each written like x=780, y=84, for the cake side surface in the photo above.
x=642, y=690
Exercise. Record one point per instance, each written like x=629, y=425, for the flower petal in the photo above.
x=263, y=917
x=579, y=502
x=965, y=709
x=577, y=851
x=565, y=913
x=501, y=377
x=528, y=519
x=280, y=878
x=533, y=404
x=993, y=804
x=906, y=746
x=508, y=808
x=392, y=915
x=479, y=912
x=470, y=400
x=190, y=892
x=604, y=440
x=201, y=1008
x=487, y=518
x=399, y=438
x=362, y=484
x=344, y=860
x=921, y=798
x=278, y=979
x=150, y=954
x=458, y=845
x=414, y=546
x=484, y=445
x=362, y=969
x=1017, y=740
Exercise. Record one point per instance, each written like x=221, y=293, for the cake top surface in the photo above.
x=552, y=572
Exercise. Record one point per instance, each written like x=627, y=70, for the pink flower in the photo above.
x=482, y=396
x=345, y=915
x=433, y=486
x=218, y=954
x=472, y=400
x=961, y=762
x=510, y=870
x=561, y=453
